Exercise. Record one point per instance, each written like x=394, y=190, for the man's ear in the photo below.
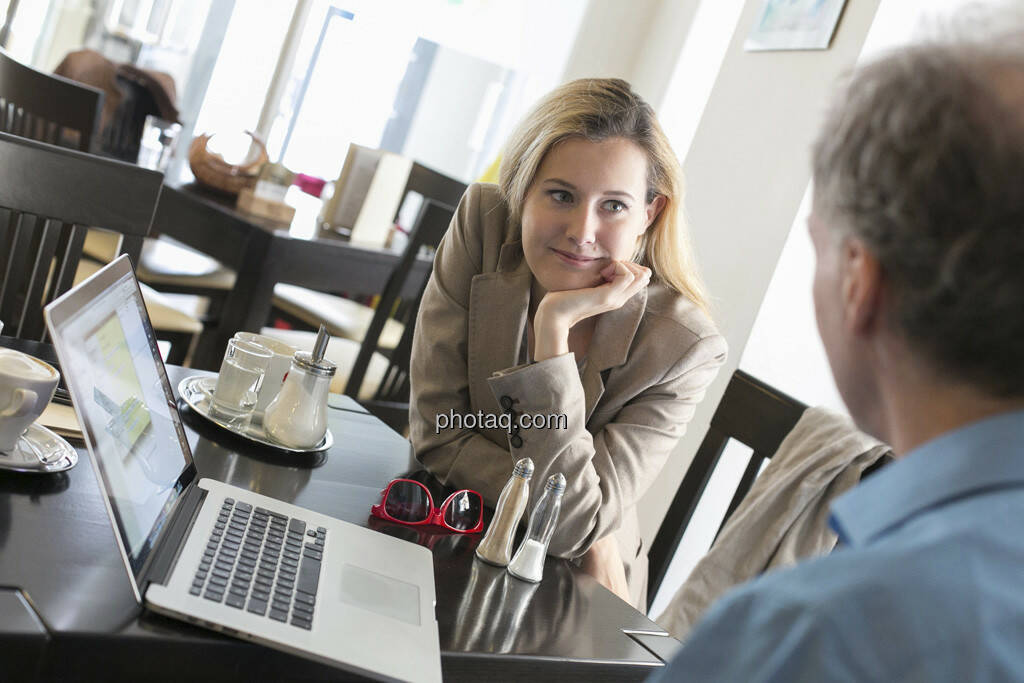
x=654, y=210
x=862, y=286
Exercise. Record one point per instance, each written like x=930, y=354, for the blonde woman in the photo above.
x=564, y=321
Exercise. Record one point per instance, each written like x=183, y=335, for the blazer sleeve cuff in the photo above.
x=550, y=389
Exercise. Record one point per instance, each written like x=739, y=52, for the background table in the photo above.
x=263, y=253
x=67, y=612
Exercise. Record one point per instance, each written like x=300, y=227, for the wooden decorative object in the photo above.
x=267, y=208
x=211, y=170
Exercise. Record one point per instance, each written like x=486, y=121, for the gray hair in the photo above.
x=922, y=158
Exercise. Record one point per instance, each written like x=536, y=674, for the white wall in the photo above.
x=638, y=41
x=747, y=170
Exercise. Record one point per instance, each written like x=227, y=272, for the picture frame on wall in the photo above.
x=794, y=25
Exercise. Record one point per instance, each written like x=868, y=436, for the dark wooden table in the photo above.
x=263, y=253
x=67, y=611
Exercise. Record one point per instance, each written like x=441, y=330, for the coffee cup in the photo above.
x=26, y=387
x=281, y=361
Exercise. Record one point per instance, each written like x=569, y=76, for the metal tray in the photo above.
x=196, y=391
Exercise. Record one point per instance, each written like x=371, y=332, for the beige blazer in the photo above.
x=625, y=406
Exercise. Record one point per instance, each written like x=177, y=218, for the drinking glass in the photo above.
x=157, y=144
x=238, y=384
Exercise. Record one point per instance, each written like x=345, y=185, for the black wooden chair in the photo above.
x=377, y=377
x=754, y=414
x=390, y=401
x=48, y=108
x=349, y=318
x=48, y=195
x=59, y=111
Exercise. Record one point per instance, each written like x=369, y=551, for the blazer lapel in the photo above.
x=609, y=347
x=498, y=308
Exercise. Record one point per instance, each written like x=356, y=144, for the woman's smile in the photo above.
x=574, y=260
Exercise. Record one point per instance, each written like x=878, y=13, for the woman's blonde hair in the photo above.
x=598, y=109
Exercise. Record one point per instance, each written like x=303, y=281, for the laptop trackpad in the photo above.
x=381, y=594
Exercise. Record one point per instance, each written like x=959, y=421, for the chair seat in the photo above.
x=163, y=262
x=165, y=318
x=342, y=352
x=342, y=317
x=101, y=245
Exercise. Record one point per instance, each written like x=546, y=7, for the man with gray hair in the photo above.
x=918, y=226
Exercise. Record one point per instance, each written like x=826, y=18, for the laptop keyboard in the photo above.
x=263, y=562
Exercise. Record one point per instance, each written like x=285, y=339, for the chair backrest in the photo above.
x=47, y=108
x=754, y=414
x=434, y=185
x=48, y=197
x=391, y=400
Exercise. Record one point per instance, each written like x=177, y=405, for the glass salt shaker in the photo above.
x=528, y=564
x=496, y=546
x=297, y=417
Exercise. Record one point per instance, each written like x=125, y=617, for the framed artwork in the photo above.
x=794, y=25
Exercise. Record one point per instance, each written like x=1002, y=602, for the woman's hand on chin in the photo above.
x=559, y=311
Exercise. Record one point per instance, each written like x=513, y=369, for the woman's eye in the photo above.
x=615, y=206
x=560, y=196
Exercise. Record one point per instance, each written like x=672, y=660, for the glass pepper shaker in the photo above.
x=496, y=546
x=297, y=417
x=528, y=564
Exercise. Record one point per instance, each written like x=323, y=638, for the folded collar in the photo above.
x=983, y=455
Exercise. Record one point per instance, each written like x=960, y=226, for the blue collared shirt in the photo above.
x=929, y=585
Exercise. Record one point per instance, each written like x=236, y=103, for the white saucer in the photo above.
x=58, y=453
x=196, y=391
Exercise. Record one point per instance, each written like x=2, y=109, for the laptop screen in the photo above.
x=129, y=418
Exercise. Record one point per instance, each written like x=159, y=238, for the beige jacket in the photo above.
x=784, y=517
x=626, y=406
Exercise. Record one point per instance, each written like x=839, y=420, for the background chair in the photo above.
x=47, y=197
x=345, y=317
x=47, y=108
x=380, y=381
x=59, y=111
x=754, y=414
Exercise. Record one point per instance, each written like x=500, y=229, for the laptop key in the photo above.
x=296, y=525
x=235, y=601
x=302, y=607
x=213, y=595
x=195, y=590
x=245, y=507
x=278, y=615
x=257, y=606
x=302, y=623
x=309, y=575
x=304, y=597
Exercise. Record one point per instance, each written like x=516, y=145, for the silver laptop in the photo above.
x=217, y=555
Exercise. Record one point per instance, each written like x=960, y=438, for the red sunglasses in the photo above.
x=409, y=502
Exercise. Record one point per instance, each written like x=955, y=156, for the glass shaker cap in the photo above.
x=556, y=483
x=322, y=366
x=523, y=469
